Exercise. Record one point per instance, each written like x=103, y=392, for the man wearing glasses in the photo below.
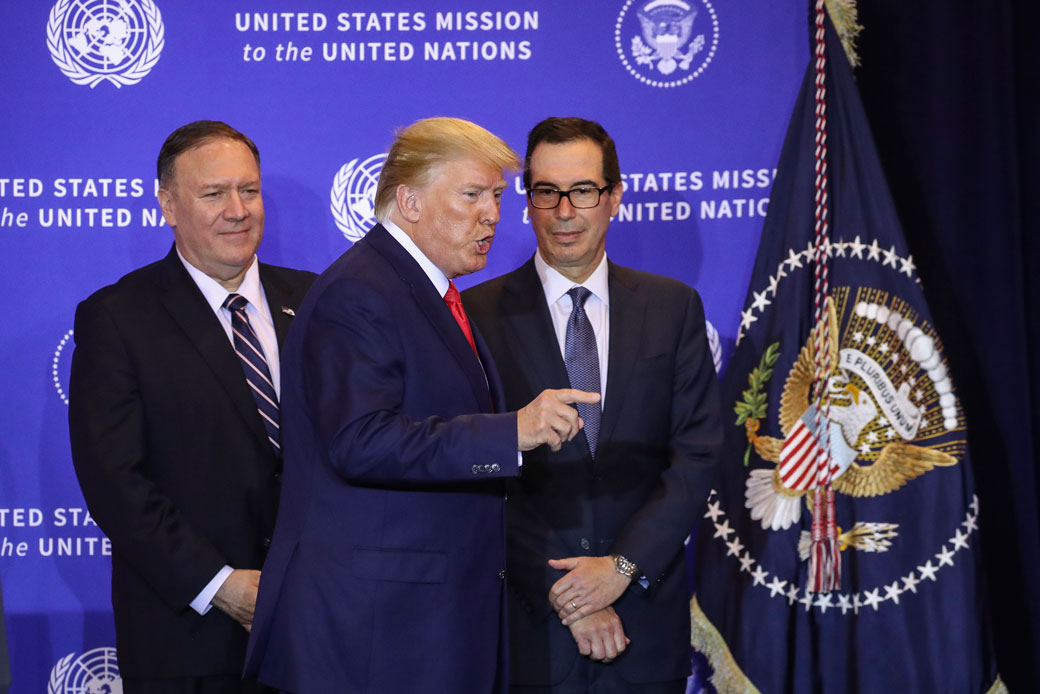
x=595, y=531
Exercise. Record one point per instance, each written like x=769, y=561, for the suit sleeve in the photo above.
x=653, y=535
x=358, y=374
x=107, y=430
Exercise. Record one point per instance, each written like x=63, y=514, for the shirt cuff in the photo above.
x=519, y=459
x=204, y=600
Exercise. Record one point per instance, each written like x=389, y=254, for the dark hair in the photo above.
x=195, y=135
x=557, y=131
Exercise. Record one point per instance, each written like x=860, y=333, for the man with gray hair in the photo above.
x=386, y=570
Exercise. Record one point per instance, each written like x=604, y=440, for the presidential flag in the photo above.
x=839, y=552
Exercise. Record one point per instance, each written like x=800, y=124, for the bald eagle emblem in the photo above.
x=889, y=416
x=667, y=26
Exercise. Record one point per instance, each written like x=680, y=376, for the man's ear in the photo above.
x=409, y=203
x=615, y=199
x=166, y=205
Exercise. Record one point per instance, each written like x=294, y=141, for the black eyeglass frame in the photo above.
x=561, y=194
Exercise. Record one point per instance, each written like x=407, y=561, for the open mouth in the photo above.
x=484, y=244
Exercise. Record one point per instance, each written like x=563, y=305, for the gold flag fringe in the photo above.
x=844, y=17
x=727, y=677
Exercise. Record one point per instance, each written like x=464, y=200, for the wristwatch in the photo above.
x=625, y=567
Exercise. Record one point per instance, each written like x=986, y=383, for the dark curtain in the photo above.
x=951, y=91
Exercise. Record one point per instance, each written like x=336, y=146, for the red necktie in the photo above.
x=454, y=302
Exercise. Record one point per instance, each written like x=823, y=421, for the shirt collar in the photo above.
x=556, y=285
x=216, y=294
x=438, y=278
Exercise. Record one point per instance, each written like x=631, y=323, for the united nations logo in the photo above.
x=714, y=344
x=668, y=42
x=96, y=40
x=60, y=367
x=354, y=196
x=94, y=672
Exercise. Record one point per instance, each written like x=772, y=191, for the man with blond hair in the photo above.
x=386, y=570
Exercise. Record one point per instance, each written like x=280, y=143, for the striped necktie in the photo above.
x=582, y=361
x=254, y=364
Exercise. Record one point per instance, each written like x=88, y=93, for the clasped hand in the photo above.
x=237, y=596
x=583, y=599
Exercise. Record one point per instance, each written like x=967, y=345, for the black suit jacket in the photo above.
x=645, y=489
x=173, y=460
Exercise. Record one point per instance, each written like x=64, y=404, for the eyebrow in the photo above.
x=576, y=184
x=223, y=185
x=481, y=186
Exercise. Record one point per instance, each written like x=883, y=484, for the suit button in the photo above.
x=496, y=467
x=502, y=575
x=278, y=477
x=476, y=469
x=267, y=542
x=585, y=544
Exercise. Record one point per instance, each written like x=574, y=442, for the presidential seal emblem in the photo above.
x=666, y=43
x=93, y=41
x=353, y=196
x=94, y=672
x=890, y=418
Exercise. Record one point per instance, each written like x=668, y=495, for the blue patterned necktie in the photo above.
x=254, y=364
x=582, y=361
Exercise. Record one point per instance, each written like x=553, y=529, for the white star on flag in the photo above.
x=928, y=571
x=723, y=530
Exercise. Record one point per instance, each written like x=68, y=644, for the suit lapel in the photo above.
x=529, y=325
x=494, y=380
x=435, y=310
x=280, y=300
x=627, y=312
x=188, y=308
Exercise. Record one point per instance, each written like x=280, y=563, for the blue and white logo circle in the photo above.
x=60, y=366
x=353, y=196
x=94, y=672
x=92, y=41
x=666, y=43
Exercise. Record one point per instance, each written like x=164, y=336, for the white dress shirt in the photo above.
x=597, y=308
x=437, y=277
x=259, y=314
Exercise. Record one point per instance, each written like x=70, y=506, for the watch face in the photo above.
x=624, y=566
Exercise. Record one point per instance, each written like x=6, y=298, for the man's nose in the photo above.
x=565, y=210
x=492, y=212
x=236, y=207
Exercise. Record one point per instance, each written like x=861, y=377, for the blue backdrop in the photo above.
x=91, y=88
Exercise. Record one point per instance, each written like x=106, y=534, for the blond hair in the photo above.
x=422, y=146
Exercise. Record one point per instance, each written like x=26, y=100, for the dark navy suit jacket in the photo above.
x=173, y=460
x=643, y=492
x=386, y=572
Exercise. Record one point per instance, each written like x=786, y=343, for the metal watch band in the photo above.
x=625, y=567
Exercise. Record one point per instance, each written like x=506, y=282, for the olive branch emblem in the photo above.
x=752, y=408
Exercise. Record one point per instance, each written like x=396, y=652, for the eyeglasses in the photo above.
x=582, y=197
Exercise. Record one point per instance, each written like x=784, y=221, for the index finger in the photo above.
x=572, y=395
